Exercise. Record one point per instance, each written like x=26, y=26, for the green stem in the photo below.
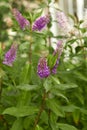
x=82, y=45
x=30, y=52
x=0, y=87
x=41, y=109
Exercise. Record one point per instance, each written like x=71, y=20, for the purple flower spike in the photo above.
x=40, y=23
x=43, y=70
x=63, y=21
x=10, y=56
x=20, y=19
x=54, y=69
x=58, y=48
x=59, y=51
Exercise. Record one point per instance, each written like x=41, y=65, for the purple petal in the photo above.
x=40, y=23
x=43, y=70
x=10, y=56
x=20, y=19
x=59, y=52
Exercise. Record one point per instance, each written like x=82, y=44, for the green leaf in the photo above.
x=18, y=124
x=73, y=108
x=21, y=111
x=66, y=127
x=52, y=60
x=53, y=105
x=36, y=15
x=53, y=119
x=66, y=86
x=63, y=86
x=72, y=41
x=80, y=76
x=28, y=122
x=84, y=111
x=59, y=94
x=55, y=80
x=76, y=116
x=72, y=17
x=69, y=108
x=44, y=117
x=2, y=73
x=25, y=75
x=80, y=97
x=39, y=128
x=47, y=84
x=27, y=87
x=78, y=49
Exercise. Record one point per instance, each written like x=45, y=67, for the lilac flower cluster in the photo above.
x=38, y=25
x=20, y=19
x=10, y=56
x=59, y=52
x=63, y=21
x=43, y=69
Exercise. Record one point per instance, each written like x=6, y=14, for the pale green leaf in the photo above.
x=21, y=111
x=47, y=84
x=25, y=74
x=27, y=87
x=39, y=128
x=56, y=80
x=66, y=127
x=66, y=86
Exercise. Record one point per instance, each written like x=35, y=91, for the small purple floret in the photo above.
x=20, y=19
x=10, y=56
x=43, y=70
x=40, y=23
x=59, y=52
x=63, y=22
x=54, y=69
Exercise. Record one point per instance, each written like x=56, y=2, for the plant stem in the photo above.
x=82, y=45
x=41, y=109
x=30, y=52
x=5, y=123
x=0, y=87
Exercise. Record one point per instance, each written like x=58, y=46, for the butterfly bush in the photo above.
x=35, y=84
x=10, y=55
x=20, y=19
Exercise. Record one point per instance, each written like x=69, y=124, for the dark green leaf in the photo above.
x=18, y=124
x=53, y=105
